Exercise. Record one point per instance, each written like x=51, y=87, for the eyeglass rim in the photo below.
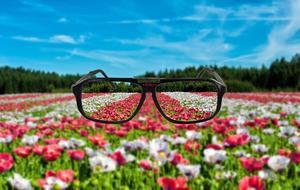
x=77, y=91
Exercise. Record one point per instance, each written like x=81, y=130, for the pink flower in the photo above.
x=76, y=154
x=6, y=162
x=251, y=164
x=23, y=151
x=236, y=140
x=179, y=183
x=253, y=182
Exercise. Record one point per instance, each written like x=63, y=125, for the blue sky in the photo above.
x=129, y=37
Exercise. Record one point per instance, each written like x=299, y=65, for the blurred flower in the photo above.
x=267, y=174
x=76, y=154
x=260, y=148
x=278, y=162
x=193, y=135
x=214, y=156
x=251, y=164
x=6, y=162
x=19, y=183
x=251, y=182
x=179, y=183
x=30, y=140
x=189, y=171
x=23, y=151
x=101, y=163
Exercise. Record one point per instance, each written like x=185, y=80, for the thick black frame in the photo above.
x=150, y=85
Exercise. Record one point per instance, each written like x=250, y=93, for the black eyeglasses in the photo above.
x=179, y=100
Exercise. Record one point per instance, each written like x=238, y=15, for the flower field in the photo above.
x=253, y=143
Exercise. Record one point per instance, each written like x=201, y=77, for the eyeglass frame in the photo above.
x=149, y=85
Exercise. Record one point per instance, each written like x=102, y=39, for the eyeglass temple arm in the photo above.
x=93, y=73
x=212, y=73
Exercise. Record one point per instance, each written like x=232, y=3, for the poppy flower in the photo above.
x=179, y=183
x=6, y=162
x=65, y=175
x=251, y=164
x=23, y=151
x=236, y=140
x=251, y=182
x=76, y=154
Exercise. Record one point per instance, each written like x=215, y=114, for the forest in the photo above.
x=281, y=75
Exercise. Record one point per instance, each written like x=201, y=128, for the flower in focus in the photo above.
x=251, y=182
x=278, y=162
x=19, y=183
x=6, y=162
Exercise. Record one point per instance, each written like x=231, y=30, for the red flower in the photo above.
x=118, y=156
x=214, y=146
x=76, y=154
x=52, y=152
x=98, y=139
x=23, y=151
x=38, y=149
x=251, y=164
x=145, y=164
x=192, y=145
x=84, y=133
x=295, y=157
x=172, y=183
x=6, y=162
x=66, y=175
x=251, y=182
x=121, y=133
x=178, y=159
x=235, y=140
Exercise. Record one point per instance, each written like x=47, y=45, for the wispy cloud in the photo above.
x=62, y=20
x=38, y=6
x=54, y=39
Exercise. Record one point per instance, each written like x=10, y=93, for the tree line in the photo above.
x=281, y=75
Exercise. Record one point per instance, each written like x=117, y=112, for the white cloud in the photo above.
x=61, y=38
x=62, y=20
x=28, y=39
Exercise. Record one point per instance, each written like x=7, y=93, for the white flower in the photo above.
x=266, y=174
x=189, y=171
x=19, y=183
x=214, y=156
x=242, y=130
x=30, y=140
x=77, y=142
x=31, y=125
x=135, y=145
x=102, y=163
x=294, y=140
x=254, y=138
x=260, y=148
x=159, y=150
x=53, y=181
x=229, y=174
x=278, y=162
x=193, y=135
x=5, y=140
x=268, y=131
x=287, y=131
x=179, y=140
x=128, y=157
